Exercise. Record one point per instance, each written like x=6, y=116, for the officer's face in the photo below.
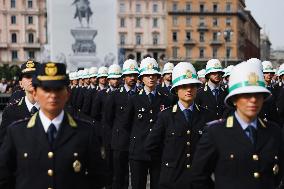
x=187, y=93
x=268, y=77
x=102, y=80
x=215, y=77
x=113, y=82
x=51, y=101
x=93, y=80
x=130, y=80
x=248, y=105
x=87, y=81
x=150, y=80
x=168, y=77
x=203, y=80
x=26, y=83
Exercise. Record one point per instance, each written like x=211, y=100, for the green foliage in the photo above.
x=9, y=72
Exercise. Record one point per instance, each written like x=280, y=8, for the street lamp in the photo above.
x=227, y=36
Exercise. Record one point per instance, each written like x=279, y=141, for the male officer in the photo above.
x=212, y=95
x=280, y=99
x=84, y=88
x=139, y=118
x=243, y=151
x=50, y=150
x=116, y=135
x=177, y=131
x=26, y=106
x=201, y=76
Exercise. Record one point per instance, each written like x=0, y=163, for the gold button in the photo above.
x=25, y=155
x=75, y=154
x=188, y=143
x=49, y=188
x=50, y=172
x=151, y=111
x=187, y=155
x=255, y=157
x=188, y=166
x=151, y=120
x=232, y=156
x=50, y=155
x=167, y=164
x=256, y=175
x=150, y=130
x=276, y=157
x=188, y=132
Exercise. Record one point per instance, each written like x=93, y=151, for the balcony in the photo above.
x=127, y=46
x=189, y=42
x=31, y=45
x=216, y=42
x=3, y=45
x=202, y=27
x=156, y=47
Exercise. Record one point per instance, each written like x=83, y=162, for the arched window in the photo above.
x=14, y=38
x=31, y=38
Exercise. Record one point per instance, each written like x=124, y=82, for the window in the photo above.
x=188, y=52
x=31, y=38
x=175, y=52
x=30, y=4
x=138, y=7
x=174, y=37
x=188, y=36
x=228, y=36
x=138, y=22
x=155, y=7
x=215, y=8
x=188, y=7
x=30, y=20
x=215, y=52
x=202, y=37
x=122, y=39
x=175, y=6
x=155, y=39
x=121, y=7
x=175, y=20
x=228, y=21
x=215, y=21
x=155, y=22
x=13, y=19
x=201, y=21
x=14, y=38
x=122, y=22
x=188, y=21
x=201, y=52
x=31, y=54
x=14, y=55
x=138, y=39
x=13, y=3
x=202, y=7
x=228, y=7
x=215, y=36
x=228, y=52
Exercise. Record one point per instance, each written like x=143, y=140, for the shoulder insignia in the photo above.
x=261, y=123
x=197, y=107
x=223, y=88
x=163, y=84
x=205, y=88
x=141, y=92
x=32, y=121
x=166, y=108
x=174, y=108
x=159, y=93
x=121, y=89
x=71, y=121
x=230, y=122
x=108, y=90
x=214, y=122
x=21, y=101
x=280, y=84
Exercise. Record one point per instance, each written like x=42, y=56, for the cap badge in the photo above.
x=30, y=64
x=188, y=74
x=217, y=65
x=132, y=67
x=253, y=79
x=150, y=66
x=50, y=69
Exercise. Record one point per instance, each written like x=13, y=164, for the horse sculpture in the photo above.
x=83, y=10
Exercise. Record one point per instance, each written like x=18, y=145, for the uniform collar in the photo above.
x=147, y=92
x=243, y=124
x=46, y=121
x=127, y=88
x=30, y=105
x=183, y=108
x=213, y=86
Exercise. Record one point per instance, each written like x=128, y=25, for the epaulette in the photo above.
x=174, y=108
x=21, y=101
x=20, y=120
x=197, y=107
x=71, y=121
x=166, y=108
x=108, y=90
x=141, y=92
x=214, y=122
x=262, y=122
x=32, y=121
x=121, y=89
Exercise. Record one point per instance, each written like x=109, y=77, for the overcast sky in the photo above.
x=270, y=16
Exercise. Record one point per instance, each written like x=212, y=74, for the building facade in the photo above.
x=142, y=28
x=201, y=30
x=22, y=30
x=265, y=46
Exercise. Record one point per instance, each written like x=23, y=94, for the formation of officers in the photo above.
x=96, y=128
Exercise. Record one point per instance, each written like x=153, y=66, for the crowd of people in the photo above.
x=98, y=127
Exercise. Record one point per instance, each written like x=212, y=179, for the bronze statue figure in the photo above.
x=83, y=10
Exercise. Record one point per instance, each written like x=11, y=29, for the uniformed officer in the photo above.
x=50, y=150
x=24, y=107
x=280, y=99
x=84, y=87
x=269, y=73
x=76, y=92
x=177, y=131
x=226, y=76
x=212, y=95
x=139, y=118
x=201, y=76
x=243, y=151
x=115, y=108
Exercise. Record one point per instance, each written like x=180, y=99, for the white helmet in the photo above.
x=184, y=73
x=228, y=71
x=114, y=71
x=93, y=72
x=80, y=74
x=213, y=65
x=85, y=73
x=201, y=73
x=246, y=78
x=253, y=60
x=267, y=67
x=71, y=76
x=168, y=68
x=102, y=72
x=149, y=66
x=281, y=70
x=130, y=66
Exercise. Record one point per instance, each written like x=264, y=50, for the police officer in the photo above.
x=280, y=99
x=177, y=131
x=243, y=151
x=24, y=107
x=84, y=87
x=212, y=95
x=226, y=76
x=118, y=137
x=139, y=119
x=50, y=150
x=201, y=76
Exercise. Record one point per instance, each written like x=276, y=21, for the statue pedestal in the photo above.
x=84, y=49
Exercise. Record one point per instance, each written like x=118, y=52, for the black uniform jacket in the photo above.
x=27, y=160
x=237, y=163
x=174, y=140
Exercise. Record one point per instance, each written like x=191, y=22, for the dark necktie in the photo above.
x=51, y=133
x=187, y=114
x=33, y=110
x=169, y=87
x=151, y=98
x=251, y=133
x=215, y=93
x=130, y=93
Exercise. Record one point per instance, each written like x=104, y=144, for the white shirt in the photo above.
x=30, y=105
x=213, y=86
x=147, y=92
x=183, y=108
x=46, y=121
